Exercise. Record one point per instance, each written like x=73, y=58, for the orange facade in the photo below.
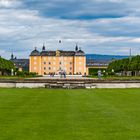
x=47, y=62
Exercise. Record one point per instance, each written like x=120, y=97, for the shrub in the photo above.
x=26, y=74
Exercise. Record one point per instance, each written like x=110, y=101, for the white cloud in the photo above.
x=9, y=3
x=23, y=29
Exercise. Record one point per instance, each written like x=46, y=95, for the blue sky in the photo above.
x=98, y=26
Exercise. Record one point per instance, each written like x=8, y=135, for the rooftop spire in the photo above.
x=43, y=48
x=76, y=48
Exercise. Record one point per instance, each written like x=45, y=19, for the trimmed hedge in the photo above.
x=26, y=74
x=94, y=71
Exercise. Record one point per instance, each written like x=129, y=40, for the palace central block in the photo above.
x=48, y=62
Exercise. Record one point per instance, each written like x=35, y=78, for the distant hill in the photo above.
x=104, y=57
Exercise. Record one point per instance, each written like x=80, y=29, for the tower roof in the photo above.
x=76, y=48
x=35, y=52
x=12, y=56
x=43, y=48
x=80, y=53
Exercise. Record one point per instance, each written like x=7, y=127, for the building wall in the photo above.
x=80, y=65
x=35, y=64
x=52, y=64
x=87, y=71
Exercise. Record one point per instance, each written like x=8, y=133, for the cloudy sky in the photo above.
x=98, y=26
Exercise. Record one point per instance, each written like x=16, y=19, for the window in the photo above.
x=60, y=63
x=44, y=63
x=70, y=63
x=49, y=63
x=44, y=68
x=80, y=68
x=49, y=68
x=70, y=68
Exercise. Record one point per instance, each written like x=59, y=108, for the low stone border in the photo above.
x=69, y=83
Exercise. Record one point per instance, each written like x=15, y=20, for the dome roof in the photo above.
x=35, y=53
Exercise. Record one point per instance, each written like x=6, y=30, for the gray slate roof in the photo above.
x=35, y=53
x=21, y=63
x=53, y=53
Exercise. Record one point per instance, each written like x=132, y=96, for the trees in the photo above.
x=125, y=65
x=6, y=66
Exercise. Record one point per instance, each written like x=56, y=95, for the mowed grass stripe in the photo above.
x=42, y=114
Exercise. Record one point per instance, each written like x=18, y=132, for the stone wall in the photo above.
x=68, y=84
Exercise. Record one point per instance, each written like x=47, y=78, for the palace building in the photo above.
x=47, y=62
x=20, y=64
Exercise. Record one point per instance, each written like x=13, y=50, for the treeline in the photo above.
x=5, y=66
x=124, y=65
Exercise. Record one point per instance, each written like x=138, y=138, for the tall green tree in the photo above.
x=6, y=65
x=126, y=64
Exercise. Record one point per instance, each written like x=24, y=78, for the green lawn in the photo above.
x=42, y=114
